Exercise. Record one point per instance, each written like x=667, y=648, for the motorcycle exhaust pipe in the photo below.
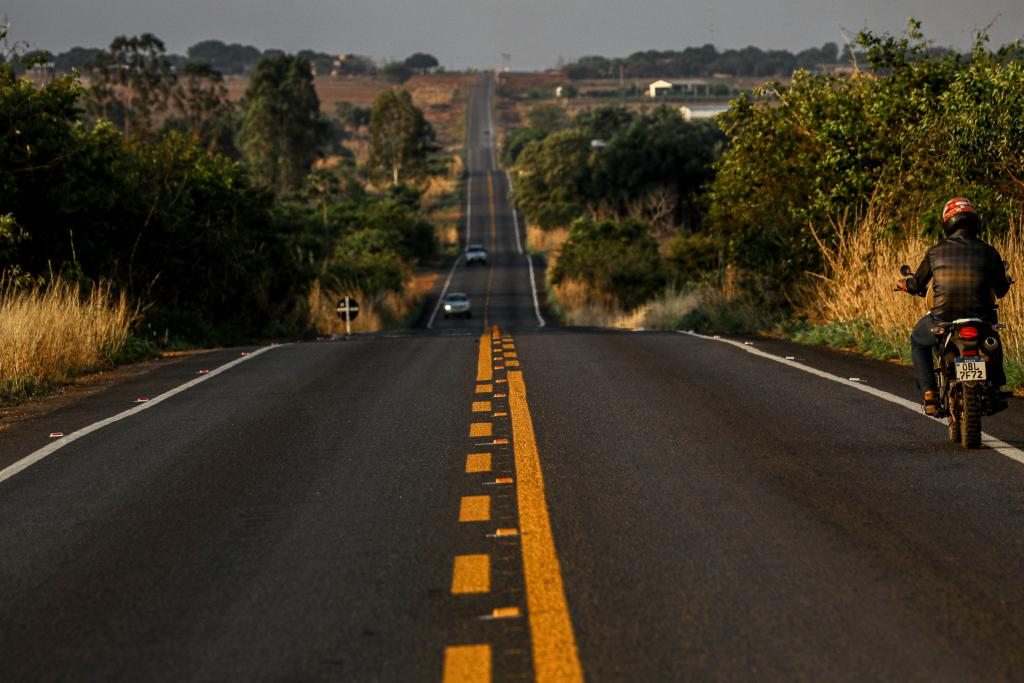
x=990, y=345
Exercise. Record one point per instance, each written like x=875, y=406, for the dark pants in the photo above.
x=922, y=343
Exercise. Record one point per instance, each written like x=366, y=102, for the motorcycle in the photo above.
x=964, y=348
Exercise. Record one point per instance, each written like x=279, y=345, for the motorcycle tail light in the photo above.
x=970, y=352
x=968, y=332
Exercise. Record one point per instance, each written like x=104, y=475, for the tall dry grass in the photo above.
x=50, y=333
x=579, y=304
x=382, y=311
x=862, y=270
x=548, y=241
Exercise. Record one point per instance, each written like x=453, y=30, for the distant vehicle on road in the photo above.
x=457, y=303
x=476, y=253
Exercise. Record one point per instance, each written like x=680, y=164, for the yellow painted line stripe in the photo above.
x=478, y=462
x=483, y=363
x=481, y=406
x=506, y=613
x=484, y=388
x=499, y=414
x=480, y=429
x=500, y=381
x=475, y=509
x=512, y=363
x=503, y=480
x=555, y=657
x=467, y=664
x=506, y=532
x=500, y=395
x=500, y=441
x=472, y=574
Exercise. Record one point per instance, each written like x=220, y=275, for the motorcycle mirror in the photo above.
x=905, y=271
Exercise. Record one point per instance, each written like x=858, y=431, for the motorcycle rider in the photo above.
x=967, y=276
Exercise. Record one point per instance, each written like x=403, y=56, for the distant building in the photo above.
x=698, y=112
x=682, y=87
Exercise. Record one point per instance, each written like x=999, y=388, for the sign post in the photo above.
x=348, y=309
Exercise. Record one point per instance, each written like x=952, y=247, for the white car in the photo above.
x=475, y=253
x=457, y=303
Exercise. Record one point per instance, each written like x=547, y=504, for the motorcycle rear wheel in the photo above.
x=970, y=417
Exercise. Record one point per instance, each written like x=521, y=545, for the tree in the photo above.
x=133, y=82
x=228, y=59
x=201, y=99
x=396, y=72
x=618, y=259
x=400, y=137
x=421, y=62
x=281, y=123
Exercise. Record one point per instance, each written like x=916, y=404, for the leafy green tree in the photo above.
x=281, y=125
x=553, y=178
x=400, y=137
x=601, y=123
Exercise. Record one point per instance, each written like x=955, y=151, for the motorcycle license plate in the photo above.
x=970, y=369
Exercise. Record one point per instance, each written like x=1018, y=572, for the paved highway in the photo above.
x=492, y=499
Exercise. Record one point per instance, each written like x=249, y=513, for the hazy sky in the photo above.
x=474, y=33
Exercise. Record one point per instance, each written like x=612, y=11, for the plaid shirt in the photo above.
x=968, y=277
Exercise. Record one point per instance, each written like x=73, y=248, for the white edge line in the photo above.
x=992, y=442
x=43, y=452
x=533, y=288
x=440, y=298
x=515, y=214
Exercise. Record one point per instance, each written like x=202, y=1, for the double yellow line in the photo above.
x=553, y=643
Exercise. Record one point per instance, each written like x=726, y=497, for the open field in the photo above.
x=440, y=96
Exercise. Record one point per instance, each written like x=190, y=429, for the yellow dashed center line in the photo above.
x=467, y=664
x=483, y=363
x=480, y=429
x=475, y=509
x=484, y=388
x=472, y=574
x=478, y=462
x=481, y=406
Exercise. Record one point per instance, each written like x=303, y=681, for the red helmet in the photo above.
x=959, y=214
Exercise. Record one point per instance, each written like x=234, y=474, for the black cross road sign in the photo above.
x=348, y=309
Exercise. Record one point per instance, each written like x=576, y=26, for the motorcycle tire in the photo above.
x=970, y=417
x=954, y=431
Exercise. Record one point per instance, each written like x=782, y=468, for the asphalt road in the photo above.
x=489, y=498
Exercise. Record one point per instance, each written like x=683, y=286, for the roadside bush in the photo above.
x=617, y=259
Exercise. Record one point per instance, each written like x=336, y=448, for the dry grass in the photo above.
x=548, y=241
x=864, y=266
x=51, y=333
x=383, y=311
x=581, y=305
